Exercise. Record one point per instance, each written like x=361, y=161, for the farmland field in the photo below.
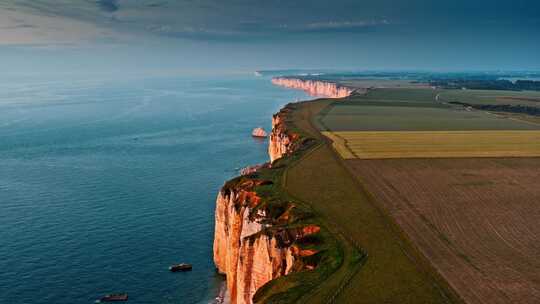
x=460, y=183
x=394, y=272
x=476, y=220
x=526, y=98
x=411, y=110
x=429, y=144
x=401, y=123
x=380, y=83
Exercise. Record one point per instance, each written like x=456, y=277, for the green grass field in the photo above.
x=411, y=110
x=393, y=272
x=368, y=258
x=398, y=94
x=340, y=259
x=482, y=97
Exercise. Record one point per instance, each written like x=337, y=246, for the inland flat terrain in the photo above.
x=474, y=219
x=393, y=271
x=460, y=183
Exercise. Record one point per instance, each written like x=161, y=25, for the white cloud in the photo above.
x=20, y=28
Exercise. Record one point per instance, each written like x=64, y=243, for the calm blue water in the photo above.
x=105, y=183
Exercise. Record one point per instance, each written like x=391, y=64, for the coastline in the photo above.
x=334, y=202
x=243, y=265
x=314, y=88
x=162, y=191
x=222, y=294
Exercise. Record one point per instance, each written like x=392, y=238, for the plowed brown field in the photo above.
x=476, y=219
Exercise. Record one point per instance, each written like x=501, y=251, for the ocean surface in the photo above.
x=104, y=183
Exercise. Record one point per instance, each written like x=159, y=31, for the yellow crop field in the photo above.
x=435, y=144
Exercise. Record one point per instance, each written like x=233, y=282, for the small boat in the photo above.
x=259, y=132
x=180, y=267
x=113, y=297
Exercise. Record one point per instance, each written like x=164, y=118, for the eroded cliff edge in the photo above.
x=260, y=235
x=314, y=87
x=282, y=141
x=247, y=255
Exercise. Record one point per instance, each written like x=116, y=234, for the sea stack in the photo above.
x=259, y=132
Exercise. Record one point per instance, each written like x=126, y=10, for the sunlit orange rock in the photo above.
x=314, y=87
x=281, y=141
x=247, y=249
x=242, y=252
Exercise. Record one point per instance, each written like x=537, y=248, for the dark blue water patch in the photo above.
x=104, y=184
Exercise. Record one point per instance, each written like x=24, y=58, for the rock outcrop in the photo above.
x=252, y=247
x=281, y=140
x=316, y=88
x=248, y=257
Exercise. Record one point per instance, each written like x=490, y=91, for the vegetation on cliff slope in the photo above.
x=319, y=256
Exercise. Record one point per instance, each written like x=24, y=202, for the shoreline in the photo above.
x=222, y=294
x=237, y=259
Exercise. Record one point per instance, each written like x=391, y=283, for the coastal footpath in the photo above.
x=314, y=87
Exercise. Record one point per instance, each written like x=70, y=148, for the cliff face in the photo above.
x=257, y=238
x=280, y=141
x=314, y=87
x=250, y=249
x=248, y=257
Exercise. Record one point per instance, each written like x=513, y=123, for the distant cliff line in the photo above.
x=319, y=88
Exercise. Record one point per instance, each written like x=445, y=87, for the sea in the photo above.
x=106, y=182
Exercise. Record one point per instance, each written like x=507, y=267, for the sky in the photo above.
x=99, y=36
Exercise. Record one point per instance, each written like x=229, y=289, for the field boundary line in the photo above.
x=410, y=250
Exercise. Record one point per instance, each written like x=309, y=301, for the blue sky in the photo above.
x=240, y=35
